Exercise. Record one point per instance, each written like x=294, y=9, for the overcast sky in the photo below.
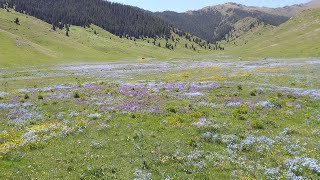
x=185, y=5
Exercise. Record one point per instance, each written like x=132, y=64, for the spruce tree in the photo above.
x=17, y=21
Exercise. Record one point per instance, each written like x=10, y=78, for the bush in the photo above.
x=290, y=96
x=172, y=110
x=240, y=113
x=76, y=95
x=253, y=93
x=257, y=125
x=40, y=97
x=239, y=87
x=275, y=102
x=26, y=96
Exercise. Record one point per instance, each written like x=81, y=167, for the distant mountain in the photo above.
x=114, y=17
x=288, y=11
x=213, y=23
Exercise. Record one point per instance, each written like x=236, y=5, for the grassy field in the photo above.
x=161, y=120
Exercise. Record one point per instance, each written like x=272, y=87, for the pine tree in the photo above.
x=17, y=21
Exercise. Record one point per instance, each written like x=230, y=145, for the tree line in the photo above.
x=114, y=17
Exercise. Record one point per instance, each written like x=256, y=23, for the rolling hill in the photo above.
x=119, y=19
x=288, y=11
x=213, y=23
x=31, y=41
x=298, y=37
x=34, y=42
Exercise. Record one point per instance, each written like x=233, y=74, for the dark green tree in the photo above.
x=17, y=21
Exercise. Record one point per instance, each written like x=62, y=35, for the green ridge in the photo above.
x=297, y=38
x=33, y=42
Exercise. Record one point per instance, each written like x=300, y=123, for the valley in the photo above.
x=224, y=92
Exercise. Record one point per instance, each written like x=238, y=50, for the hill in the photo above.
x=34, y=42
x=287, y=11
x=298, y=37
x=213, y=23
x=119, y=19
x=290, y=11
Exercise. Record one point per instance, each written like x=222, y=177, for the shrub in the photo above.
x=257, y=125
x=275, y=102
x=242, y=110
x=253, y=93
x=26, y=96
x=40, y=97
x=240, y=113
x=172, y=110
x=22, y=100
x=279, y=94
x=76, y=95
x=290, y=96
x=193, y=142
x=239, y=87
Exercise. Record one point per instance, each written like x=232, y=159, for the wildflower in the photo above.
x=142, y=175
x=234, y=104
x=94, y=116
x=273, y=173
x=6, y=106
x=97, y=144
x=194, y=94
x=202, y=122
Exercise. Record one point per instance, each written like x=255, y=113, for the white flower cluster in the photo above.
x=297, y=164
x=142, y=175
x=6, y=106
x=94, y=116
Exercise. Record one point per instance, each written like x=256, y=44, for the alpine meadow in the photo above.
x=96, y=89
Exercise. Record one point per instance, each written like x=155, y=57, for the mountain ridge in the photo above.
x=213, y=25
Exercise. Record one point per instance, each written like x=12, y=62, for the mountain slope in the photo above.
x=33, y=42
x=298, y=37
x=116, y=18
x=287, y=11
x=213, y=23
x=290, y=11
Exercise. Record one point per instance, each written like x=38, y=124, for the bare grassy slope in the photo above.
x=299, y=37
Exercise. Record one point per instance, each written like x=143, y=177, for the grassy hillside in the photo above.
x=33, y=42
x=299, y=37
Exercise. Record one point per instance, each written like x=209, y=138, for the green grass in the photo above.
x=160, y=143
x=74, y=134
x=297, y=38
x=34, y=43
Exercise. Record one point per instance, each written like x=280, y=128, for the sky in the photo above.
x=185, y=5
